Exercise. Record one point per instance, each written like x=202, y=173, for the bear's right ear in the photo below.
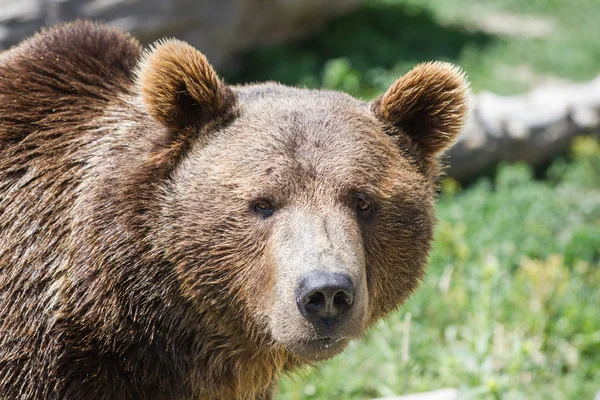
x=180, y=89
x=429, y=104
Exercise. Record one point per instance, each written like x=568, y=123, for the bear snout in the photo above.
x=325, y=299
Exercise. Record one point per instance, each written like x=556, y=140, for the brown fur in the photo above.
x=132, y=264
x=429, y=104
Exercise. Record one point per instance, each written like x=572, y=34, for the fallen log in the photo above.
x=533, y=128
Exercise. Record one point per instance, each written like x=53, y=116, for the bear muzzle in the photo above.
x=320, y=297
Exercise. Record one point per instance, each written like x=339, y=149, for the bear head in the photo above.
x=295, y=218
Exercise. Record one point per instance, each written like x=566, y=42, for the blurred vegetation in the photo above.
x=505, y=46
x=510, y=306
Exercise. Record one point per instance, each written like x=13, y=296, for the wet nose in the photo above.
x=325, y=298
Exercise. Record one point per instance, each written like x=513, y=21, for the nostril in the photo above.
x=342, y=298
x=316, y=299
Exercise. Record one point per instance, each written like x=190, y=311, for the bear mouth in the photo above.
x=320, y=348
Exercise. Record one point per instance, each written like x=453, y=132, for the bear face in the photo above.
x=316, y=208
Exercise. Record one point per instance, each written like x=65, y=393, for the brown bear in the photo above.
x=164, y=235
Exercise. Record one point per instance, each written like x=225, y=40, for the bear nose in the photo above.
x=325, y=297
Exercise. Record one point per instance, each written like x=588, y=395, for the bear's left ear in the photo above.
x=179, y=87
x=429, y=104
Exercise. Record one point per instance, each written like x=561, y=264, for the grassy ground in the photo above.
x=510, y=307
x=506, y=46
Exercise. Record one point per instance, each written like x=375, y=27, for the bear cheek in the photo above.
x=405, y=239
x=256, y=283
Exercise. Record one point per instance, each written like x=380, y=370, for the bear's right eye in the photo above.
x=363, y=206
x=264, y=208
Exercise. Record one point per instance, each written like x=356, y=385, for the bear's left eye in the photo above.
x=264, y=208
x=362, y=206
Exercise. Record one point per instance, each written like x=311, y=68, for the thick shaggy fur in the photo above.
x=131, y=264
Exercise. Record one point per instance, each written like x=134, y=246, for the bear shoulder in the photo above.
x=62, y=74
x=82, y=58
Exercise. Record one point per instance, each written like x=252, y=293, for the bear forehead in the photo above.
x=287, y=138
x=299, y=108
x=310, y=126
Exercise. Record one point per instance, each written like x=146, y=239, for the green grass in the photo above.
x=365, y=51
x=510, y=307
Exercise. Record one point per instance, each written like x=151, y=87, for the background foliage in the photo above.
x=510, y=307
x=506, y=46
